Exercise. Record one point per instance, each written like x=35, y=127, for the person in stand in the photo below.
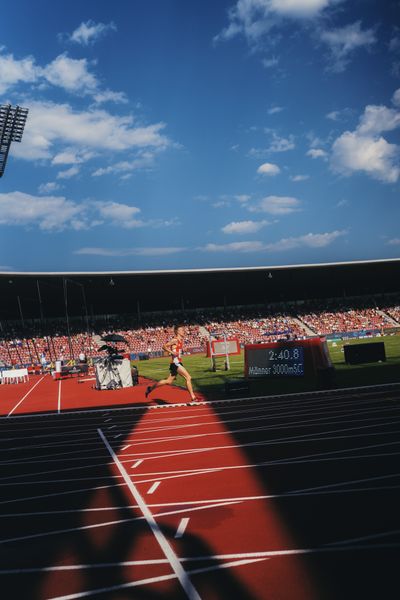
x=174, y=347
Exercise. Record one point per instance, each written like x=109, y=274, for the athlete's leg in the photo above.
x=169, y=381
x=188, y=379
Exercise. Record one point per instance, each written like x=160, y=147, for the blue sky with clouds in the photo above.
x=169, y=134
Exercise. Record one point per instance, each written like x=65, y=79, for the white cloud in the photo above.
x=144, y=160
x=89, y=32
x=268, y=169
x=366, y=150
x=255, y=18
x=47, y=188
x=14, y=71
x=270, y=63
x=297, y=178
x=234, y=247
x=396, y=98
x=274, y=110
x=344, y=41
x=121, y=215
x=299, y=8
x=317, y=153
x=71, y=74
x=244, y=227
x=377, y=119
x=242, y=198
x=49, y=213
x=140, y=251
x=52, y=124
x=278, y=144
x=375, y=156
x=340, y=115
x=68, y=173
x=110, y=96
x=334, y=115
x=72, y=156
x=310, y=240
x=281, y=144
x=277, y=205
x=394, y=242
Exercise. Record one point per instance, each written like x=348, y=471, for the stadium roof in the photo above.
x=128, y=292
x=215, y=270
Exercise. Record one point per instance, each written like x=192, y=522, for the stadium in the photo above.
x=199, y=300
x=237, y=445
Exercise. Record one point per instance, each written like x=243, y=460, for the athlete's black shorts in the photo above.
x=173, y=369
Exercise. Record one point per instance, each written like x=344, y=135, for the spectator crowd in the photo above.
x=43, y=344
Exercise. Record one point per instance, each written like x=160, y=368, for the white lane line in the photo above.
x=181, y=528
x=137, y=463
x=166, y=453
x=269, y=400
x=108, y=523
x=27, y=394
x=348, y=454
x=125, y=447
x=59, y=398
x=153, y=488
x=108, y=508
x=111, y=426
x=117, y=436
x=227, y=565
x=242, y=555
x=163, y=561
x=107, y=420
x=179, y=571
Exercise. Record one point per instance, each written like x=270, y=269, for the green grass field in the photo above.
x=213, y=383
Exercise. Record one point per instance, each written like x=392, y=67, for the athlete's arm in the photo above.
x=169, y=345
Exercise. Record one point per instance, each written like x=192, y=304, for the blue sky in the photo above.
x=169, y=134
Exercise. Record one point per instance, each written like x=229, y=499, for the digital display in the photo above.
x=275, y=362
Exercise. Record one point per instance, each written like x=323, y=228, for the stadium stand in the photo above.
x=247, y=325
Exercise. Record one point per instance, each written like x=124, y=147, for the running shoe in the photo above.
x=148, y=390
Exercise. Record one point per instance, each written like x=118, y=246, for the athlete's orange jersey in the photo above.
x=177, y=350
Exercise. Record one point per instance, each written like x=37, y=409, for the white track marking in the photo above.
x=125, y=448
x=27, y=394
x=153, y=488
x=117, y=436
x=181, y=528
x=107, y=420
x=170, y=453
x=329, y=412
x=168, y=551
x=108, y=523
x=278, y=398
x=236, y=563
x=32, y=536
x=193, y=472
x=137, y=463
x=163, y=561
x=59, y=398
x=89, y=444
x=364, y=538
x=329, y=455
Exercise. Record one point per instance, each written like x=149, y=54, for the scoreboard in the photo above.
x=295, y=358
x=271, y=362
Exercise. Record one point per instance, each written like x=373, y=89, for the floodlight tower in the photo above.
x=12, y=123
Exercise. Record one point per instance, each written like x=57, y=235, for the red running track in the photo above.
x=42, y=394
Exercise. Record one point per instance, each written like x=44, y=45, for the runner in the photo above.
x=174, y=348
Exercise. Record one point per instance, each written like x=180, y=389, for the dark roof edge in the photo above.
x=175, y=271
